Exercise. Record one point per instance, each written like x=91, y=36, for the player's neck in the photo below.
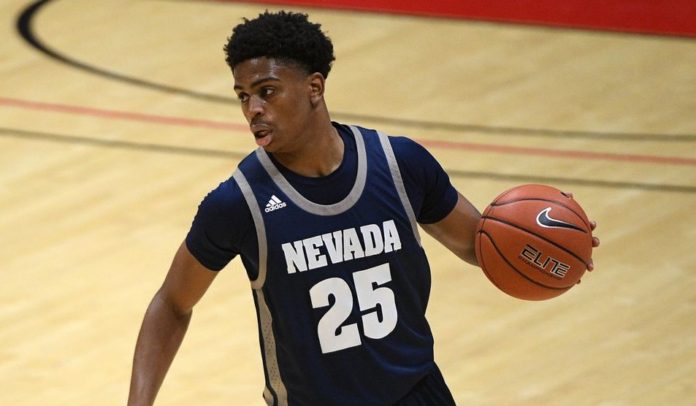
x=319, y=157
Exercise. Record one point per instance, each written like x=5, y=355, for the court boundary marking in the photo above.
x=590, y=15
x=25, y=28
x=458, y=145
x=214, y=153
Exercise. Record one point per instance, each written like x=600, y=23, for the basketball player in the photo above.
x=325, y=219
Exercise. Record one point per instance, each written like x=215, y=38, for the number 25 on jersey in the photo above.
x=371, y=294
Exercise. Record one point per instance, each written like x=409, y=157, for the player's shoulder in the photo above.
x=406, y=145
x=226, y=197
x=403, y=146
x=228, y=191
x=410, y=153
x=407, y=151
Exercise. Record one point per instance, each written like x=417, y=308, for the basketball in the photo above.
x=534, y=242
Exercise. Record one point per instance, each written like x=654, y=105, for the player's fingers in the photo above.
x=590, y=266
x=593, y=224
x=595, y=242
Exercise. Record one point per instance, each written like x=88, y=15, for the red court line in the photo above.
x=662, y=17
x=458, y=145
x=556, y=153
x=120, y=115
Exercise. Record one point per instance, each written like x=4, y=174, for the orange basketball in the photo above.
x=534, y=242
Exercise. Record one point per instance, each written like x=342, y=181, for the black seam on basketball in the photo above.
x=483, y=263
x=581, y=218
x=540, y=237
x=500, y=254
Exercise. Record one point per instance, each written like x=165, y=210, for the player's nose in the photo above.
x=254, y=108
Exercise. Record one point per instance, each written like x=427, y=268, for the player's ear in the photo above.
x=316, y=87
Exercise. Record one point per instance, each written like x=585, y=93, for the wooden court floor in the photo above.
x=111, y=136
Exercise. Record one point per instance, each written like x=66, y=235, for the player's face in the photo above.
x=276, y=102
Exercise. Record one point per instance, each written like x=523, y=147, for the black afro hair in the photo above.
x=285, y=36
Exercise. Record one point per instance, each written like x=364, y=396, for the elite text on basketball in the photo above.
x=535, y=258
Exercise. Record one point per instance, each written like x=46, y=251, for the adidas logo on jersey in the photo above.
x=274, y=204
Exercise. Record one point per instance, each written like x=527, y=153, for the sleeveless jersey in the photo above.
x=341, y=289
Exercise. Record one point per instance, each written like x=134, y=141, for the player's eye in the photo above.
x=267, y=91
x=243, y=97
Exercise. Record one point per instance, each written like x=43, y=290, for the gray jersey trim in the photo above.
x=309, y=206
x=265, y=318
x=269, y=351
x=399, y=183
x=258, y=224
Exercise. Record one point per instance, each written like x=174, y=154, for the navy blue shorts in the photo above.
x=430, y=391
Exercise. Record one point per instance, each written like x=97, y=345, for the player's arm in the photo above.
x=165, y=324
x=440, y=210
x=456, y=231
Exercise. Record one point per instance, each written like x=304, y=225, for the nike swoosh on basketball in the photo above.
x=544, y=220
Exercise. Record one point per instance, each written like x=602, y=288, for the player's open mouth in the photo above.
x=263, y=137
x=262, y=134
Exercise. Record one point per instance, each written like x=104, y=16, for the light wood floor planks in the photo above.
x=100, y=178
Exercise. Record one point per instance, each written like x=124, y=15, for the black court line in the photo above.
x=117, y=144
x=217, y=154
x=25, y=28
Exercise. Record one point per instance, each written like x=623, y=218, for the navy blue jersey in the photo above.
x=340, y=288
x=223, y=227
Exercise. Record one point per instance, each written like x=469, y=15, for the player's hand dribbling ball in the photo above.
x=534, y=242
